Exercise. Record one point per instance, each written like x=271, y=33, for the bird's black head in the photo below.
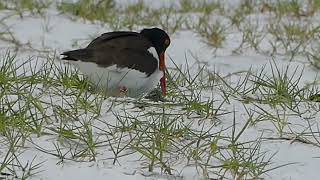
x=158, y=38
x=160, y=41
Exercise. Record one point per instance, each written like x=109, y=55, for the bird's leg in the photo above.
x=123, y=90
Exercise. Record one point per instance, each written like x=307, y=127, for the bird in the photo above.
x=124, y=62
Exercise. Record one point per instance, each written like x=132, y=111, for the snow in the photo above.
x=61, y=35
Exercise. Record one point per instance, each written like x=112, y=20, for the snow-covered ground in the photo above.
x=55, y=32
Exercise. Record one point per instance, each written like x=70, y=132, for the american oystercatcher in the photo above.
x=124, y=62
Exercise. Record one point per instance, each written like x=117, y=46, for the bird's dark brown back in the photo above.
x=125, y=49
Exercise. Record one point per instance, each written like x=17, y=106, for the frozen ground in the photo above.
x=292, y=144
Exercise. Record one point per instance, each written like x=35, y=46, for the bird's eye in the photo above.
x=167, y=42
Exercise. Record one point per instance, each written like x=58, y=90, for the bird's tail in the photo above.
x=77, y=55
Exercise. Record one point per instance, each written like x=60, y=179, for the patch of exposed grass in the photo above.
x=206, y=7
x=127, y=16
x=251, y=38
x=22, y=6
x=291, y=7
x=280, y=87
x=91, y=10
x=314, y=57
x=2, y=6
x=214, y=34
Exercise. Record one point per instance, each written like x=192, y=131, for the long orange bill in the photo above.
x=162, y=68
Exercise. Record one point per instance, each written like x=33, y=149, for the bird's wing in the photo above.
x=142, y=61
x=121, y=40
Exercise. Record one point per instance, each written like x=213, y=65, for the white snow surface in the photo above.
x=184, y=44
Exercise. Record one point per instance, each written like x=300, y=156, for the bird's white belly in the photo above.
x=112, y=78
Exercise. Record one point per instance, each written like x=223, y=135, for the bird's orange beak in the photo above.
x=162, y=68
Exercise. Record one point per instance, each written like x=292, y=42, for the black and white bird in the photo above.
x=124, y=61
